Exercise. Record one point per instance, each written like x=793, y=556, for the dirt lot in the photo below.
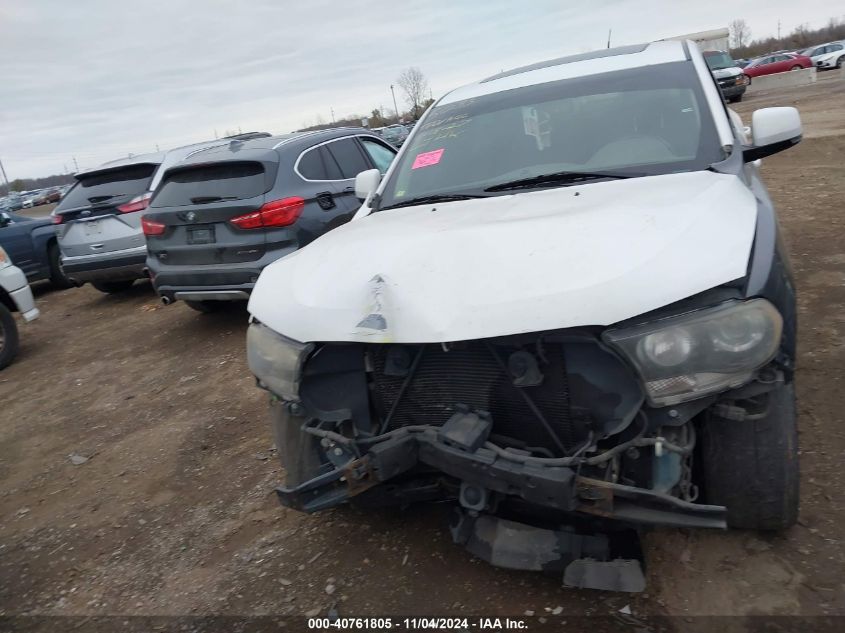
x=173, y=512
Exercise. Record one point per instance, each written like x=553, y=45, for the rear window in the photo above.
x=99, y=187
x=211, y=183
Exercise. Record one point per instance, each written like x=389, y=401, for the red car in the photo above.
x=777, y=63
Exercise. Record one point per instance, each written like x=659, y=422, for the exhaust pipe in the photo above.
x=166, y=300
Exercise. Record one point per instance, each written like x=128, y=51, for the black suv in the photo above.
x=223, y=214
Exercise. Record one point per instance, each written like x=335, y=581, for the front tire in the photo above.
x=840, y=61
x=113, y=287
x=299, y=452
x=736, y=99
x=751, y=466
x=796, y=67
x=57, y=273
x=9, y=341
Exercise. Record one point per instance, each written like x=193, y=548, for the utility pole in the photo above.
x=332, y=109
x=76, y=165
x=609, y=31
x=395, y=108
x=778, y=29
x=6, y=180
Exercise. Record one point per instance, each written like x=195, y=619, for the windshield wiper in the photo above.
x=438, y=197
x=205, y=199
x=558, y=177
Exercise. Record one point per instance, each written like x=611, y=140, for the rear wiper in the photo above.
x=558, y=177
x=96, y=199
x=438, y=197
x=205, y=199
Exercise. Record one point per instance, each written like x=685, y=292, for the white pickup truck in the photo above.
x=15, y=296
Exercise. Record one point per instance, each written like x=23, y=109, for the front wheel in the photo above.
x=751, y=466
x=797, y=68
x=8, y=337
x=299, y=452
x=840, y=61
x=736, y=99
x=113, y=287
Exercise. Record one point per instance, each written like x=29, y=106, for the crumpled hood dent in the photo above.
x=592, y=254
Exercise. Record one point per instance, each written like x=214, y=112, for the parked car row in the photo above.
x=562, y=305
x=16, y=201
x=826, y=56
x=395, y=134
x=204, y=220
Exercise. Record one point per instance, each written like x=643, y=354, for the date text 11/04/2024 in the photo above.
x=418, y=623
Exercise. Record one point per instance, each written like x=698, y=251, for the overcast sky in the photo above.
x=97, y=79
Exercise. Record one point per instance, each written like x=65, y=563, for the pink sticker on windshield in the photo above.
x=427, y=159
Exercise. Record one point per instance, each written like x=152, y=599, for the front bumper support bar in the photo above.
x=556, y=487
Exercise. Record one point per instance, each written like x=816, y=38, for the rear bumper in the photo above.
x=209, y=282
x=114, y=266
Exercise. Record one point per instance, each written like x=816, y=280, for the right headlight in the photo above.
x=691, y=355
x=276, y=360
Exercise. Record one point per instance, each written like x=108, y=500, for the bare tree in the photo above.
x=415, y=86
x=740, y=33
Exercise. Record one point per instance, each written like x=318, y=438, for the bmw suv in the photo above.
x=222, y=215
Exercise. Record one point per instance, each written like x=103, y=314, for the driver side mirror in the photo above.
x=5, y=220
x=366, y=183
x=773, y=130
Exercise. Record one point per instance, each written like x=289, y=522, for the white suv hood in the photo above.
x=592, y=254
x=722, y=73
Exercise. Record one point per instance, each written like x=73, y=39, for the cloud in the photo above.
x=99, y=79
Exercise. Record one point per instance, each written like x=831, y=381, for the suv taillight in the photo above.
x=282, y=212
x=57, y=218
x=138, y=203
x=151, y=227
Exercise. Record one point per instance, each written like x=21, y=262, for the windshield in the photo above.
x=718, y=61
x=637, y=122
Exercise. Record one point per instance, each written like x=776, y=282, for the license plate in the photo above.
x=203, y=235
x=93, y=227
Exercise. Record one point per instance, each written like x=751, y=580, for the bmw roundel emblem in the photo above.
x=190, y=216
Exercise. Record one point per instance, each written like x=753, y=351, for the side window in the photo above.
x=380, y=155
x=834, y=47
x=348, y=156
x=311, y=165
x=318, y=164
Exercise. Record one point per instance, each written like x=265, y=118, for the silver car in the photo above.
x=98, y=223
x=99, y=219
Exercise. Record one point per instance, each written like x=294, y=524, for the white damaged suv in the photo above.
x=566, y=302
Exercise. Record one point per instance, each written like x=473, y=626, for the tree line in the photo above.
x=27, y=184
x=802, y=36
x=412, y=82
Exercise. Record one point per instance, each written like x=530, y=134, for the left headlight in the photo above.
x=691, y=355
x=276, y=360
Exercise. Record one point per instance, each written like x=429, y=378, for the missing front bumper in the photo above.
x=538, y=483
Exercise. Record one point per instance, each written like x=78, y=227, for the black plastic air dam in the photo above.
x=588, y=561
